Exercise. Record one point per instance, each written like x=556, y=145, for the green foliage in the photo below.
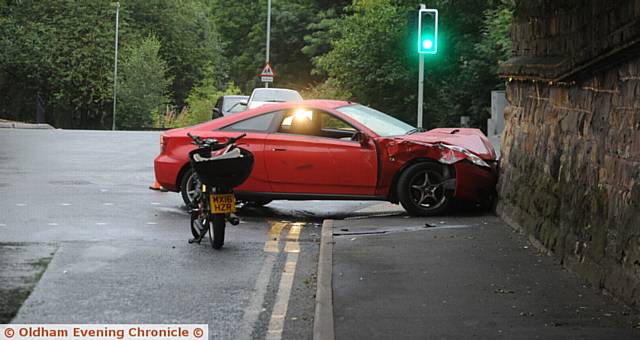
x=368, y=57
x=189, y=36
x=61, y=50
x=142, y=85
x=372, y=54
x=322, y=32
x=64, y=52
x=474, y=75
x=329, y=89
x=244, y=27
x=202, y=100
x=200, y=104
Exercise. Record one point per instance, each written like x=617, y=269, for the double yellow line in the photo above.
x=291, y=250
x=291, y=244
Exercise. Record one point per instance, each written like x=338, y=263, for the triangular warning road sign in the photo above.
x=267, y=71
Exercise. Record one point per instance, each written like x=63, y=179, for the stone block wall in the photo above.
x=570, y=167
x=570, y=172
x=553, y=39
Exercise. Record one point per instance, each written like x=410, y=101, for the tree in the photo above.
x=372, y=54
x=203, y=97
x=189, y=36
x=142, y=85
x=61, y=51
x=368, y=58
x=244, y=27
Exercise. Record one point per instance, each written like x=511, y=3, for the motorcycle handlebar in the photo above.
x=235, y=139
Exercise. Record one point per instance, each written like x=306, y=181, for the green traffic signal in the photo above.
x=427, y=31
x=427, y=44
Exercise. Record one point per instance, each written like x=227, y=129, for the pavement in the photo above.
x=9, y=124
x=466, y=275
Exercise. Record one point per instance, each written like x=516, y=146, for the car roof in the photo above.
x=272, y=88
x=326, y=104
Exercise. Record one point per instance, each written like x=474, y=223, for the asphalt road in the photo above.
x=82, y=232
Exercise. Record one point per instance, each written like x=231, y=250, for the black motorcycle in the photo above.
x=220, y=167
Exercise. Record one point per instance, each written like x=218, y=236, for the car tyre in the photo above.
x=422, y=191
x=188, y=186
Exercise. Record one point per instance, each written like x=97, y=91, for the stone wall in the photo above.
x=570, y=168
x=554, y=39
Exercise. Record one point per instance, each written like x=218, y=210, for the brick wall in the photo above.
x=570, y=168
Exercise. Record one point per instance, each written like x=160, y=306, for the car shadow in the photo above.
x=457, y=209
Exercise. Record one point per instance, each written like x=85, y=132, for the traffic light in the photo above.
x=427, y=31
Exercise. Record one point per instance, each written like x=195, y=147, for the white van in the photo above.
x=262, y=96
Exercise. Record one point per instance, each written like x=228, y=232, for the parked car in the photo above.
x=262, y=96
x=227, y=105
x=325, y=149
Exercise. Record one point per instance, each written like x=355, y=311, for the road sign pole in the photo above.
x=266, y=84
x=420, y=89
x=115, y=68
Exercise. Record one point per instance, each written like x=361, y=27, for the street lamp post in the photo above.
x=115, y=67
x=266, y=84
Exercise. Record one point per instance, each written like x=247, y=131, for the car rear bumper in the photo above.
x=166, y=171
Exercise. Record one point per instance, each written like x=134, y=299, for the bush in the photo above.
x=142, y=86
x=200, y=104
x=330, y=89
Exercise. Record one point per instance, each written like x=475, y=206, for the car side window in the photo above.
x=261, y=123
x=316, y=123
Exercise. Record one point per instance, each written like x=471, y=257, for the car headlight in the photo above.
x=456, y=153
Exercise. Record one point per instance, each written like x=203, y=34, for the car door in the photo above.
x=302, y=157
x=356, y=163
x=257, y=129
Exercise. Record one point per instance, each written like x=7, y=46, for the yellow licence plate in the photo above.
x=222, y=204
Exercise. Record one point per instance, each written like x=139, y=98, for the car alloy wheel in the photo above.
x=422, y=190
x=189, y=187
x=427, y=190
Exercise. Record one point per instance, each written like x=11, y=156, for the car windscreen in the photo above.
x=229, y=103
x=267, y=95
x=380, y=123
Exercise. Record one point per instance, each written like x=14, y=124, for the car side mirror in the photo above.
x=361, y=138
x=216, y=113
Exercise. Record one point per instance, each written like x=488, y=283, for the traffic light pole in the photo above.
x=420, y=89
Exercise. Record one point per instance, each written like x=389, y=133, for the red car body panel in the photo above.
x=290, y=164
x=308, y=164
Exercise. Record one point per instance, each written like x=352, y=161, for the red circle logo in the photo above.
x=9, y=332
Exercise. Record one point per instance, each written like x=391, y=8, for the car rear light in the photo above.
x=163, y=143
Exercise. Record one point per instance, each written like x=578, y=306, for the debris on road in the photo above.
x=503, y=291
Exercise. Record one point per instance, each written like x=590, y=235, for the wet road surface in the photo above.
x=83, y=231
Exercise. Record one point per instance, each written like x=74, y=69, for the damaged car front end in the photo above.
x=425, y=171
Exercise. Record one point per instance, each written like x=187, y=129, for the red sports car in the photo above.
x=326, y=149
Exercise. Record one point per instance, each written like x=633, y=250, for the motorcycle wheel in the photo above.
x=216, y=231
